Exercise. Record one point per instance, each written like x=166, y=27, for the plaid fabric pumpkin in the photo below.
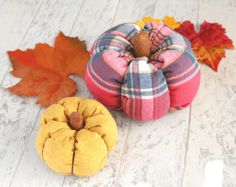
x=146, y=89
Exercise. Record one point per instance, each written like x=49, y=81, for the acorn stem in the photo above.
x=141, y=44
x=76, y=121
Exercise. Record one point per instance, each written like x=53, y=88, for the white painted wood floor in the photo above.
x=195, y=147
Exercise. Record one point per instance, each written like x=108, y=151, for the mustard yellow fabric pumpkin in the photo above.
x=75, y=136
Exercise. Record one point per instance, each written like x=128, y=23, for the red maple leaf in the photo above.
x=213, y=35
x=209, y=43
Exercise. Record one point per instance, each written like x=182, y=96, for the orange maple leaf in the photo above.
x=210, y=56
x=44, y=70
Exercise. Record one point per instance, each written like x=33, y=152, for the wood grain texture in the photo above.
x=133, y=11
x=211, y=157
x=212, y=138
x=15, y=19
x=187, y=148
x=180, y=10
x=52, y=17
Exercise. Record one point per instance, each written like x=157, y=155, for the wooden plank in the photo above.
x=133, y=11
x=93, y=21
x=4, y=67
x=16, y=126
x=19, y=115
x=155, y=151
x=181, y=10
x=211, y=157
x=15, y=19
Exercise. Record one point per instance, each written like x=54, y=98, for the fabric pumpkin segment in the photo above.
x=183, y=79
x=144, y=93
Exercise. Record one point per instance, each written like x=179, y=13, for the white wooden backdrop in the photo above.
x=191, y=148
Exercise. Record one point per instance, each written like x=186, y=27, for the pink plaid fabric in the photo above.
x=145, y=89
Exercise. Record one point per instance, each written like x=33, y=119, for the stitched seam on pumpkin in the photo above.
x=94, y=115
x=102, y=139
x=44, y=147
x=91, y=129
x=75, y=141
x=59, y=130
x=54, y=119
x=95, y=126
x=45, y=121
x=78, y=105
x=73, y=156
x=85, y=118
x=67, y=118
x=94, y=111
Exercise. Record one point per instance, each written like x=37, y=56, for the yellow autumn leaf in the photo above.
x=148, y=19
x=157, y=21
x=171, y=22
x=140, y=23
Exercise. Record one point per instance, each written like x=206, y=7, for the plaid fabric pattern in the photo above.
x=143, y=80
x=144, y=88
